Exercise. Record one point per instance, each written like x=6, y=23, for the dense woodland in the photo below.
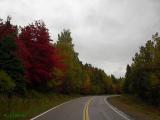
x=31, y=60
x=143, y=75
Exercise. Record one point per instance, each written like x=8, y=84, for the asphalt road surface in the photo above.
x=84, y=108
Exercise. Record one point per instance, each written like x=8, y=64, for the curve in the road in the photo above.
x=84, y=108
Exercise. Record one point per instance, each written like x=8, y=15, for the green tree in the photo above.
x=73, y=74
x=8, y=59
x=143, y=79
x=127, y=80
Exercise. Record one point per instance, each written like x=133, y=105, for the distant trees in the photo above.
x=143, y=76
x=79, y=78
x=30, y=60
x=98, y=82
x=94, y=83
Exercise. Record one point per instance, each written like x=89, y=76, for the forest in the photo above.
x=142, y=77
x=31, y=60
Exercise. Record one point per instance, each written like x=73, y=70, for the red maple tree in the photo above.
x=37, y=53
x=6, y=29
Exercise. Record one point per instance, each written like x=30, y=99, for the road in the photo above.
x=84, y=108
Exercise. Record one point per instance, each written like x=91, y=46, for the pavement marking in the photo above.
x=115, y=109
x=54, y=108
x=85, y=110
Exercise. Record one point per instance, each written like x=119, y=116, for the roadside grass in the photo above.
x=19, y=108
x=135, y=107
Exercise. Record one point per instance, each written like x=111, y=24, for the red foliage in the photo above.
x=24, y=55
x=37, y=53
x=7, y=29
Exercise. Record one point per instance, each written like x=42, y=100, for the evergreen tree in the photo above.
x=8, y=59
x=127, y=80
x=143, y=79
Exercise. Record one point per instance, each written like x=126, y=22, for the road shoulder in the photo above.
x=135, y=108
x=121, y=113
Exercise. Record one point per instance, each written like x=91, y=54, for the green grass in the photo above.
x=136, y=108
x=19, y=108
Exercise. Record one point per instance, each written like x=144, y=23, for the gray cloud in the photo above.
x=106, y=33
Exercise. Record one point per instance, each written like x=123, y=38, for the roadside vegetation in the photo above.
x=143, y=75
x=19, y=108
x=142, y=83
x=31, y=61
x=37, y=71
x=135, y=107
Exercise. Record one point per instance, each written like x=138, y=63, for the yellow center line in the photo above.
x=85, y=110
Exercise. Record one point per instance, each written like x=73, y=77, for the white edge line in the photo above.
x=113, y=108
x=52, y=109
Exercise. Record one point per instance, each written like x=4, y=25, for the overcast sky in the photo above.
x=106, y=33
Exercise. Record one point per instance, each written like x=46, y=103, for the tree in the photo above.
x=39, y=61
x=127, y=80
x=7, y=29
x=143, y=79
x=86, y=85
x=8, y=58
x=73, y=73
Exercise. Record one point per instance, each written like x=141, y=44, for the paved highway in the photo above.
x=84, y=108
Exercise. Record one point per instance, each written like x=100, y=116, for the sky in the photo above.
x=106, y=33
